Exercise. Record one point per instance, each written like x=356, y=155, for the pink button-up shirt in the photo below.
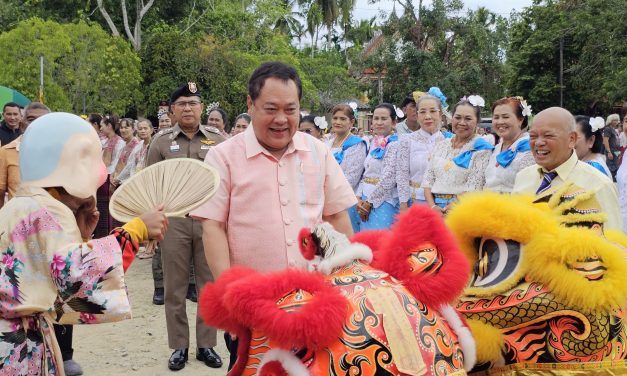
x=265, y=202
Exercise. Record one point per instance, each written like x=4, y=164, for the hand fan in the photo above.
x=182, y=184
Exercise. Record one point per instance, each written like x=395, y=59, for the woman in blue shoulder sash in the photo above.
x=349, y=151
x=589, y=146
x=510, y=117
x=378, y=203
x=457, y=164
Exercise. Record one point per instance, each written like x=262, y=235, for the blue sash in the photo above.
x=351, y=141
x=379, y=153
x=463, y=160
x=598, y=166
x=506, y=157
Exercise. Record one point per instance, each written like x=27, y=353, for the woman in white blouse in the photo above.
x=349, y=151
x=414, y=150
x=457, y=164
x=510, y=117
x=378, y=203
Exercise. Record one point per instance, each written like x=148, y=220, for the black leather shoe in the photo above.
x=157, y=297
x=209, y=356
x=177, y=359
x=191, y=294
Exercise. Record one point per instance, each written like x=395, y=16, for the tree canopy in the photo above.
x=103, y=56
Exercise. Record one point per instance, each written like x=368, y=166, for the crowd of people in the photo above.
x=281, y=171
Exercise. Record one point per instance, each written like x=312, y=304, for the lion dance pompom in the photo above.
x=381, y=305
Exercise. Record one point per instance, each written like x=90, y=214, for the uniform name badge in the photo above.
x=205, y=147
x=174, y=146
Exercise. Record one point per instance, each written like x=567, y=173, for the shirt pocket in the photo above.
x=311, y=185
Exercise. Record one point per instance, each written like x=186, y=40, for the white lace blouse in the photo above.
x=414, y=152
x=353, y=163
x=445, y=177
x=383, y=171
x=501, y=179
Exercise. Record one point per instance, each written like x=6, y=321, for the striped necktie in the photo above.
x=546, y=181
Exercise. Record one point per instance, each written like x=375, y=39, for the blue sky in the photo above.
x=363, y=10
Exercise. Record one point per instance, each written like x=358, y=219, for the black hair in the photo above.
x=388, y=107
x=225, y=118
x=95, y=118
x=113, y=121
x=464, y=102
x=309, y=119
x=10, y=104
x=244, y=116
x=273, y=69
x=584, y=124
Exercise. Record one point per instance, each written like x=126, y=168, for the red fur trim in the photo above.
x=417, y=226
x=273, y=368
x=252, y=302
x=243, y=345
x=212, y=306
x=306, y=244
x=374, y=239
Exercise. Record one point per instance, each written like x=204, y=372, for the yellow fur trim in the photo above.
x=490, y=342
x=497, y=216
x=617, y=237
x=548, y=258
x=578, y=218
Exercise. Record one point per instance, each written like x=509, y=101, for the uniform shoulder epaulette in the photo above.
x=164, y=131
x=212, y=129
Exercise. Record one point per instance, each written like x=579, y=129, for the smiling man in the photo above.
x=274, y=181
x=552, y=138
x=10, y=125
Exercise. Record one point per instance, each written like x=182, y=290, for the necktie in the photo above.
x=546, y=181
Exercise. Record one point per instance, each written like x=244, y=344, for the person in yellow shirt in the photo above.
x=552, y=138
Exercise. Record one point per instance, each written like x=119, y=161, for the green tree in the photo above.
x=84, y=67
x=592, y=34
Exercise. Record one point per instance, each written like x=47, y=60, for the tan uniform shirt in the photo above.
x=171, y=143
x=9, y=168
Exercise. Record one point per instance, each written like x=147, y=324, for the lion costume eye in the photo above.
x=497, y=260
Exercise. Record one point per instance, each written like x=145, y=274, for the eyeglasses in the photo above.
x=183, y=104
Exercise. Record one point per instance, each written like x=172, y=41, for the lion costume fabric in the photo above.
x=385, y=311
x=548, y=290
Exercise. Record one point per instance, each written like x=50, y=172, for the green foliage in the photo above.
x=84, y=67
x=462, y=55
x=595, y=66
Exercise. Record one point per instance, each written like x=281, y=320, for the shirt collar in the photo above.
x=253, y=147
x=563, y=170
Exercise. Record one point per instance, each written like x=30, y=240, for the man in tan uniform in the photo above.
x=183, y=240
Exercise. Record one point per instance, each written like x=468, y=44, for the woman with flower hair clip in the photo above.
x=457, y=164
x=589, y=145
x=510, y=119
x=414, y=151
x=378, y=204
x=348, y=149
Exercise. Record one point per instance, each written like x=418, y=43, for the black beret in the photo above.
x=186, y=90
x=164, y=103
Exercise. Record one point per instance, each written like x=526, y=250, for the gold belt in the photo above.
x=444, y=196
x=373, y=181
x=414, y=184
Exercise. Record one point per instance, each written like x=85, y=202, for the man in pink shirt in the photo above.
x=274, y=181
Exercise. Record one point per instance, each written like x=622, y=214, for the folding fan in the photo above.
x=181, y=184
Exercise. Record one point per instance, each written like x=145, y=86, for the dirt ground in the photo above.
x=138, y=346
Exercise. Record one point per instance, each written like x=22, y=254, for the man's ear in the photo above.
x=572, y=139
x=249, y=103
